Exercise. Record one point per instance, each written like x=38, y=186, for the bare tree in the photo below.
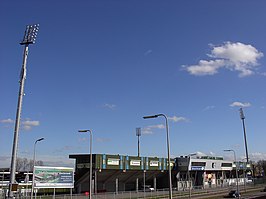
x=260, y=167
x=23, y=164
x=19, y=164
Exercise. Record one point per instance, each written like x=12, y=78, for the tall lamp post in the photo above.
x=190, y=183
x=90, y=131
x=138, y=133
x=168, y=150
x=242, y=117
x=29, y=38
x=33, y=171
x=237, y=187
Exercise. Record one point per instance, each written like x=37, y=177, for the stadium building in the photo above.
x=114, y=173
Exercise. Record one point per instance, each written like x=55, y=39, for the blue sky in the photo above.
x=103, y=65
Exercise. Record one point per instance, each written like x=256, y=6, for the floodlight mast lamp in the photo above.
x=29, y=38
x=90, y=131
x=168, y=149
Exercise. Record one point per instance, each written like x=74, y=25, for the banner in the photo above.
x=53, y=177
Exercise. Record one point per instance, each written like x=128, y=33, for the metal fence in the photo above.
x=185, y=192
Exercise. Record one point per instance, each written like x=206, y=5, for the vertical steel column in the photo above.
x=17, y=124
x=29, y=38
x=168, y=149
x=138, y=133
x=155, y=183
x=33, y=173
x=137, y=184
x=116, y=186
x=90, y=131
x=242, y=116
x=95, y=182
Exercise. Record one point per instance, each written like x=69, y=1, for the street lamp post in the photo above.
x=237, y=187
x=168, y=150
x=33, y=170
x=190, y=183
x=90, y=131
x=29, y=38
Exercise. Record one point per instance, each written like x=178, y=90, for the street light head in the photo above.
x=242, y=116
x=227, y=150
x=150, y=116
x=30, y=34
x=83, y=131
x=39, y=139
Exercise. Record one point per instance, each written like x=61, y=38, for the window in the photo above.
x=226, y=164
x=201, y=164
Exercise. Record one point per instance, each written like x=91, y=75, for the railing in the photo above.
x=159, y=193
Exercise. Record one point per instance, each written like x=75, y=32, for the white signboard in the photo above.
x=53, y=177
x=113, y=161
x=135, y=162
x=154, y=163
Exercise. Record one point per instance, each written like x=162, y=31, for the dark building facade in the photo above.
x=113, y=173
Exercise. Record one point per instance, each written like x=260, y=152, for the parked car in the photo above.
x=234, y=194
x=147, y=188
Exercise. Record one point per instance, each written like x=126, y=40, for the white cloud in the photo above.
x=178, y=119
x=148, y=52
x=207, y=108
x=149, y=129
x=240, y=104
x=109, y=106
x=198, y=153
x=84, y=139
x=237, y=56
x=57, y=160
x=257, y=156
x=28, y=124
x=238, y=53
x=9, y=121
x=205, y=67
x=25, y=124
x=31, y=123
x=102, y=140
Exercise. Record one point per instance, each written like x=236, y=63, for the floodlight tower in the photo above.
x=242, y=117
x=29, y=38
x=138, y=133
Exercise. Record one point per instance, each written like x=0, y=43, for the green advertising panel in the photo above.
x=53, y=177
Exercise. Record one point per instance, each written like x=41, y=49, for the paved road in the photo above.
x=257, y=195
